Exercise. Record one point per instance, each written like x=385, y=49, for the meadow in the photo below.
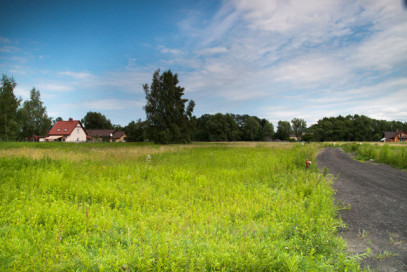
x=143, y=207
x=394, y=154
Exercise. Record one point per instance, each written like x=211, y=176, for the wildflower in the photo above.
x=148, y=158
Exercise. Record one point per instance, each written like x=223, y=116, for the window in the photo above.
x=66, y=129
x=77, y=130
x=58, y=129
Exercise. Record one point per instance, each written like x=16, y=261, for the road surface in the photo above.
x=377, y=218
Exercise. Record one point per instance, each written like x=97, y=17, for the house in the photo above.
x=67, y=131
x=119, y=136
x=294, y=137
x=106, y=135
x=397, y=136
x=35, y=138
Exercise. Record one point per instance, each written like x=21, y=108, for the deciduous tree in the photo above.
x=168, y=119
x=9, y=104
x=299, y=127
x=283, y=130
x=33, y=116
x=136, y=132
x=96, y=120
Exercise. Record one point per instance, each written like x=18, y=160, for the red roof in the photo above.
x=64, y=127
x=118, y=134
x=391, y=134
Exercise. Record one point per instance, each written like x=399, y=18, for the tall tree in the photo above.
x=33, y=116
x=299, y=127
x=251, y=129
x=96, y=120
x=283, y=130
x=9, y=104
x=268, y=130
x=167, y=117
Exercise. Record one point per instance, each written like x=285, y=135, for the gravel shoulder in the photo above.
x=377, y=218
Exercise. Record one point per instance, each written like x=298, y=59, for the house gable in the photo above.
x=68, y=131
x=395, y=136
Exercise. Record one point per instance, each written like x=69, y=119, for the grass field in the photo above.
x=395, y=154
x=132, y=207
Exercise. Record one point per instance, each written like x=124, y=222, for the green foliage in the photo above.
x=232, y=127
x=283, y=130
x=392, y=155
x=9, y=104
x=33, y=116
x=299, y=127
x=136, y=132
x=168, y=121
x=96, y=120
x=205, y=208
x=352, y=128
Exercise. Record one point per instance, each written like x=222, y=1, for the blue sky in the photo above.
x=274, y=59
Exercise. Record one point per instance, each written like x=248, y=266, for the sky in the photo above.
x=273, y=59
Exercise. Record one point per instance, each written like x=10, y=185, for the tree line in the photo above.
x=351, y=128
x=170, y=119
x=20, y=120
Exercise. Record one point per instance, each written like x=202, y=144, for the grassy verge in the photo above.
x=392, y=155
x=155, y=208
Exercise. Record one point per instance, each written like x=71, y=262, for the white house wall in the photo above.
x=77, y=135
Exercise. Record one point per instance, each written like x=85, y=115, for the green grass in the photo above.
x=69, y=207
x=394, y=155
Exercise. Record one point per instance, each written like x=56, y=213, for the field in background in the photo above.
x=142, y=207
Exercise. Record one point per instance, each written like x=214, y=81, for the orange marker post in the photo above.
x=307, y=163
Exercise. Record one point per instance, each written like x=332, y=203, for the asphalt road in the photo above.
x=377, y=218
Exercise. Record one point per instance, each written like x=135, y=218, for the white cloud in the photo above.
x=22, y=91
x=383, y=50
x=76, y=75
x=54, y=87
x=4, y=40
x=213, y=50
x=112, y=104
x=8, y=49
x=310, y=71
x=166, y=50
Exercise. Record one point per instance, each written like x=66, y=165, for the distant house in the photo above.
x=106, y=135
x=67, y=131
x=294, y=137
x=397, y=136
x=35, y=138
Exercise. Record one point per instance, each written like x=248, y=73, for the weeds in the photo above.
x=385, y=255
x=141, y=208
x=392, y=155
x=363, y=234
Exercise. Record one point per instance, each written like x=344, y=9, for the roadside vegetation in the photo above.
x=394, y=155
x=143, y=207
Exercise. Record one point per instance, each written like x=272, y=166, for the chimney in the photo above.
x=70, y=119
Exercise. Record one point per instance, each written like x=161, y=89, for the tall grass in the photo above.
x=392, y=155
x=175, y=208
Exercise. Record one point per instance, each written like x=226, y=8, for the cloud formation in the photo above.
x=274, y=59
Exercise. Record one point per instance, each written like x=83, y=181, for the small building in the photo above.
x=396, y=136
x=106, y=135
x=119, y=136
x=294, y=137
x=67, y=131
x=35, y=138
